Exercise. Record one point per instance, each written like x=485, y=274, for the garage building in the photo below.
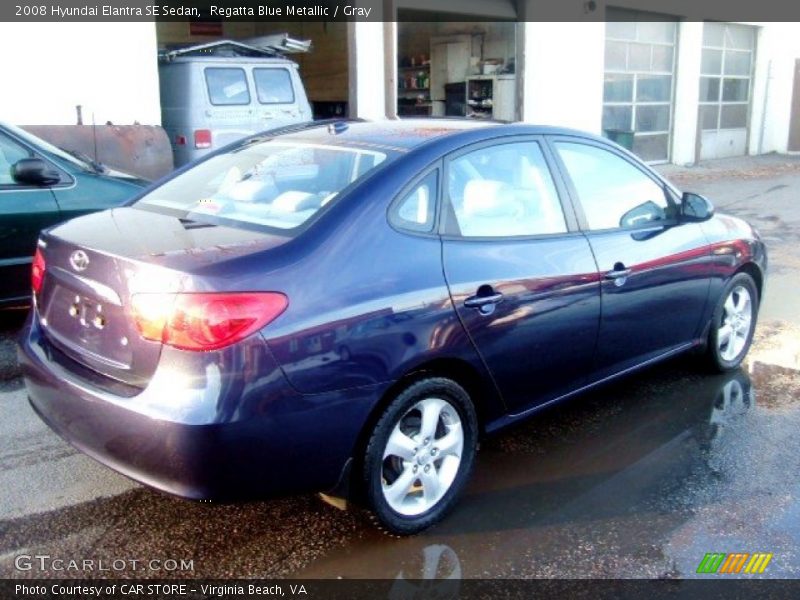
x=672, y=87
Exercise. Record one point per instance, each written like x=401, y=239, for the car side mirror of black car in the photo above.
x=34, y=171
x=695, y=208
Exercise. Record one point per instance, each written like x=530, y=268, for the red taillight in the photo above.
x=37, y=271
x=202, y=138
x=180, y=140
x=199, y=321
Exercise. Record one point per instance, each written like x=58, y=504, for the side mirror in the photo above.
x=642, y=214
x=34, y=171
x=696, y=208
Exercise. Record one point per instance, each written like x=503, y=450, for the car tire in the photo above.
x=732, y=324
x=413, y=477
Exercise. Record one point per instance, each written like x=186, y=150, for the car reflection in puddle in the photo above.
x=637, y=479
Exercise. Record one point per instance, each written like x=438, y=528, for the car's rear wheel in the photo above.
x=733, y=324
x=420, y=455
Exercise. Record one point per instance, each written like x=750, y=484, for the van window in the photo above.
x=227, y=86
x=273, y=86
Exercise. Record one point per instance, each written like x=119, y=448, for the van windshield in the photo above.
x=272, y=183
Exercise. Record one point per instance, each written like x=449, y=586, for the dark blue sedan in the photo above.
x=348, y=307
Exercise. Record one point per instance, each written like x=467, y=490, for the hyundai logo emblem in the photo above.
x=79, y=260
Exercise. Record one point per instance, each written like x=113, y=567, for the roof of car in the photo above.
x=402, y=135
x=399, y=135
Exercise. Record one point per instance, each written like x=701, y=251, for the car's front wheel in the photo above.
x=420, y=455
x=733, y=323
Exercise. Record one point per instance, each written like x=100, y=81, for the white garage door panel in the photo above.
x=723, y=143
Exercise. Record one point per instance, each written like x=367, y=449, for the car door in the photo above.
x=654, y=267
x=24, y=211
x=521, y=276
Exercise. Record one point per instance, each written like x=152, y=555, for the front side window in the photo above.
x=503, y=190
x=279, y=184
x=273, y=86
x=613, y=192
x=10, y=153
x=227, y=86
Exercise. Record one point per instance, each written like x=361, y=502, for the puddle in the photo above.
x=773, y=364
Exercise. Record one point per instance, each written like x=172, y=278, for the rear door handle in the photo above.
x=481, y=301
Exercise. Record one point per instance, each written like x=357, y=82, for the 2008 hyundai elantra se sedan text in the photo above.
x=348, y=307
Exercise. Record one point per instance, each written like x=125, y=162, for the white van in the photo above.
x=217, y=93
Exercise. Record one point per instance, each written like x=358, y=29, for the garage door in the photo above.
x=639, y=76
x=725, y=89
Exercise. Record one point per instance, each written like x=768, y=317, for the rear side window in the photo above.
x=275, y=183
x=273, y=86
x=503, y=191
x=227, y=86
x=415, y=210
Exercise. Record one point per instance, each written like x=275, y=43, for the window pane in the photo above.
x=615, y=56
x=711, y=63
x=737, y=63
x=10, y=153
x=735, y=90
x=653, y=88
x=617, y=117
x=621, y=30
x=416, y=210
x=618, y=88
x=273, y=86
x=504, y=190
x=638, y=57
x=656, y=31
x=227, y=86
x=652, y=118
x=709, y=115
x=709, y=89
x=612, y=192
x=740, y=37
x=733, y=117
x=662, y=58
x=651, y=147
x=713, y=34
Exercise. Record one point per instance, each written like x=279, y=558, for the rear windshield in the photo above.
x=273, y=86
x=272, y=183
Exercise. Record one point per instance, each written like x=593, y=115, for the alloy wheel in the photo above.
x=737, y=318
x=422, y=456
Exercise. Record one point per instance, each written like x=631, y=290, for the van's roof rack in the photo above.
x=282, y=43
x=269, y=46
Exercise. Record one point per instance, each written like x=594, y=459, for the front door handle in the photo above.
x=618, y=274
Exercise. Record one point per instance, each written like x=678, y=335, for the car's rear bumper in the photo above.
x=249, y=436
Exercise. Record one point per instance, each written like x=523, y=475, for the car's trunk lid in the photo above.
x=96, y=263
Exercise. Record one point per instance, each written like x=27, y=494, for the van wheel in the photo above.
x=420, y=455
x=733, y=324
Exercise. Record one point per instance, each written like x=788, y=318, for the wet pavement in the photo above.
x=640, y=478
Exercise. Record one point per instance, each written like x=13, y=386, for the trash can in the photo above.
x=623, y=137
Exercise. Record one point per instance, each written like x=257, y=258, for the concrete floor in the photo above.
x=638, y=479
